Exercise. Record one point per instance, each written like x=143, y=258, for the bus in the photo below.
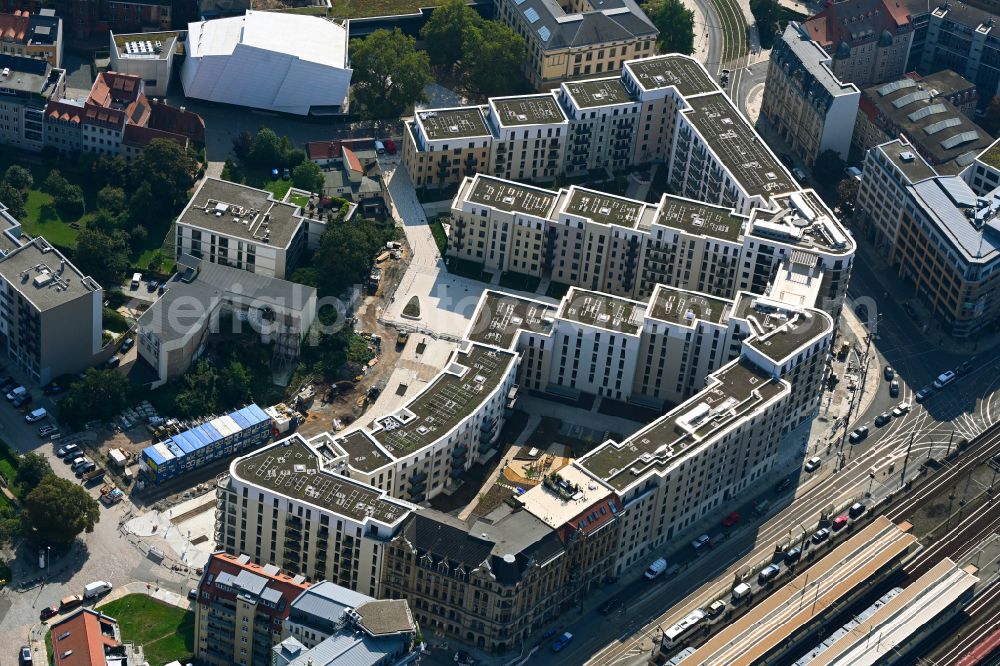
x=673, y=636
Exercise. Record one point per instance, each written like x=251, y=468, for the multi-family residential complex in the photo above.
x=243, y=227
x=240, y=610
x=28, y=84
x=95, y=639
x=607, y=243
x=32, y=35
x=869, y=40
x=919, y=110
x=117, y=118
x=174, y=328
x=50, y=312
x=804, y=100
x=664, y=108
x=579, y=39
x=938, y=232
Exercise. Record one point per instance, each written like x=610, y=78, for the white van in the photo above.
x=379, y=148
x=96, y=589
x=656, y=568
x=36, y=415
x=741, y=591
x=944, y=379
x=136, y=280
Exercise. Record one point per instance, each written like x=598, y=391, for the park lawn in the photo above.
x=300, y=200
x=165, y=632
x=365, y=8
x=279, y=187
x=42, y=219
x=440, y=237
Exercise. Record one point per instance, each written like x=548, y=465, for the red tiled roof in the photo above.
x=14, y=27
x=282, y=582
x=323, y=150
x=351, y=160
x=177, y=121
x=80, y=641
x=595, y=518
x=56, y=109
x=856, y=21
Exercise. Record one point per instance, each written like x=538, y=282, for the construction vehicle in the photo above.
x=111, y=495
x=401, y=338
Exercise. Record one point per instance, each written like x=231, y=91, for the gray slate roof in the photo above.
x=616, y=20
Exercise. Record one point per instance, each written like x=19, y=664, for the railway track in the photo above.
x=734, y=34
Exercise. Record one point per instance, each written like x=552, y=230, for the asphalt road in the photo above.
x=713, y=28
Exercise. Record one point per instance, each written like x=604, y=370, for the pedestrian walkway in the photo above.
x=150, y=590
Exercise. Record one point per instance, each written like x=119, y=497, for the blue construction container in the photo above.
x=221, y=437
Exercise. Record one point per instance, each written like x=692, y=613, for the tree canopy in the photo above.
x=829, y=168
x=308, y=176
x=847, y=195
x=103, y=256
x=346, y=251
x=31, y=469
x=18, y=177
x=444, y=32
x=208, y=389
x=100, y=394
x=60, y=510
x=168, y=169
x=11, y=197
x=492, y=52
x=675, y=23
x=389, y=73
x=991, y=117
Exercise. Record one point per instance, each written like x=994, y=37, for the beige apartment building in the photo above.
x=579, y=38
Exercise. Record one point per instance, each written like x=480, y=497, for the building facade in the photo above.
x=28, y=84
x=804, y=101
x=32, y=35
x=580, y=39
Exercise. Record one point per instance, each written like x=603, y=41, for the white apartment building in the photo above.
x=603, y=118
x=286, y=504
x=243, y=227
x=530, y=136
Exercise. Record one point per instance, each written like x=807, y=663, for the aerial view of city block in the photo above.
x=500, y=332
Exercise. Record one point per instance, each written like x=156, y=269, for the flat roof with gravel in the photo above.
x=602, y=310
x=292, y=468
x=701, y=219
x=362, y=451
x=461, y=123
x=679, y=306
x=606, y=208
x=598, y=92
x=738, y=146
x=500, y=317
x=511, y=197
x=733, y=394
x=684, y=73
x=527, y=110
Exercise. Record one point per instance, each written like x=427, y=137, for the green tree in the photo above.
x=112, y=199
x=31, y=469
x=11, y=197
x=675, y=23
x=200, y=393
x=169, y=170
x=308, y=176
x=829, y=168
x=346, y=252
x=59, y=510
x=11, y=525
x=847, y=195
x=55, y=185
x=99, y=394
x=234, y=384
x=266, y=151
x=389, y=73
x=492, y=53
x=102, y=256
x=242, y=145
x=18, y=177
x=70, y=202
x=444, y=32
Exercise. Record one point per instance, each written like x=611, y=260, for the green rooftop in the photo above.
x=991, y=155
x=598, y=92
x=511, y=197
x=679, y=306
x=440, y=124
x=527, y=110
x=605, y=208
x=466, y=382
x=737, y=391
x=292, y=468
x=603, y=311
x=701, y=219
x=362, y=451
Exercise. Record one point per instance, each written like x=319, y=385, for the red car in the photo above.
x=840, y=522
x=731, y=519
x=46, y=613
x=390, y=146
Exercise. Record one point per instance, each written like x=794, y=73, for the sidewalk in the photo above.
x=158, y=593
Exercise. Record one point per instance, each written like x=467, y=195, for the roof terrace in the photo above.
x=701, y=219
x=469, y=378
x=780, y=331
x=501, y=316
x=735, y=392
x=684, y=73
x=527, y=110
x=802, y=218
x=598, y=92
x=606, y=208
x=460, y=123
x=362, y=451
x=292, y=468
x=679, y=306
x=740, y=148
x=510, y=197
x=601, y=310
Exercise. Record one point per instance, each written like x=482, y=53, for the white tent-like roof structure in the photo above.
x=289, y=63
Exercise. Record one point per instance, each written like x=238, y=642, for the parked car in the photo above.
x=902, y=409
x=69, y=449
x=923, y=394
x=152, y=285
x=25, y=655
x=390, y=146
x=820, y=535
x=882, y=419
x=85, y=469
x=113, y=362
x=48, y=612
x=96, y=589
x=857, y=509
x=716, y=607
x=894, y=388
x=53, y=388
x=23, y=399
x=888, y=373
x=858, y=435
x=783, y=485
x=35, y=415
x=840, y=522
x=47, y=430
x=126, y=345
x=562, y=642
x=70, y=602
x=700, y=541
x=16, y=392
x=768, y=573
x=813, y=464
x=192, y=594
x=8, y=385
x=792, y=555
x=731, y=519
x=964, y=368
x=944, y=379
